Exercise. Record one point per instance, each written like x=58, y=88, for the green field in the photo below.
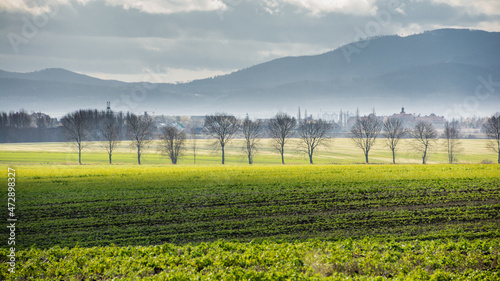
x=242, y=222
x=337, y=151
x=366, y=259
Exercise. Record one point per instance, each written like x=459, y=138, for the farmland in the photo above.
x=366, y=259
x=398, y=218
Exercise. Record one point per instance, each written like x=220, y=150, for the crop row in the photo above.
x=356, y=259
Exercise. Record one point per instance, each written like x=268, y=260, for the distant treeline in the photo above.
x=23, y=127
x=20, y=126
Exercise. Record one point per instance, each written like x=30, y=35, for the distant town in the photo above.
x=24, y=126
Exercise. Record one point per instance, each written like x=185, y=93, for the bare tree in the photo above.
x=223, y=127
x=313, y=133
x=251, y=131
x=451, y=135
x=394, y=130
x=77, y=129
x=424, y=135
x=492, y=130
x=281, y=130
x=194, y=137
x=42, y=121
x=140, y=130
x=110, y=133
x=364, y=133
x=20, y=119
x=172, y=142
x=4, y=119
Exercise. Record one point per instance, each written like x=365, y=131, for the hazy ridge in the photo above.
x=428, y=72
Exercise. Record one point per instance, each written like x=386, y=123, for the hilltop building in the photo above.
x=410, y=119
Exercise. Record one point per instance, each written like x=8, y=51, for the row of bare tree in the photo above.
x=366, y=130
x=107, y=129
x=139, y=129
x=364, y=133
x=281, y=128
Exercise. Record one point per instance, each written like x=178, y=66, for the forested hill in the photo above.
x=436, y=71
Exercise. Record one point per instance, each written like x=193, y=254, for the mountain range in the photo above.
x=446, y=71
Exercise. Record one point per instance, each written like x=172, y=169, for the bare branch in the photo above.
x=394, y=130
x=140, y=130
x=77, y=129
x=110, y=133
x=492, y=130
x=223, y=127
x=172, y=143
x=451, y=135
x=425, y=136
x=251, y=132
x=313, y=133
x=281, y=130
x=364, y=133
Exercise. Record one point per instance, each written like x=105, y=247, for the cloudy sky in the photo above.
x=182, y=40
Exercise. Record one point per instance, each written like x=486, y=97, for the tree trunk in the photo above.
x=450, y=153
x=250, y=160
x=110, y=159
x=222, y=155
x=393, y=156
x=311, y=159
x=366, y=158
x=282, y=152
x=425, y=156
x=80, y=154
x=138, y=156
x=499, y=156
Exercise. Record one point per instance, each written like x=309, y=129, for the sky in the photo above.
x=183, y=40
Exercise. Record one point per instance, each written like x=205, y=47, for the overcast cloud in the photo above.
x=191, y=39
